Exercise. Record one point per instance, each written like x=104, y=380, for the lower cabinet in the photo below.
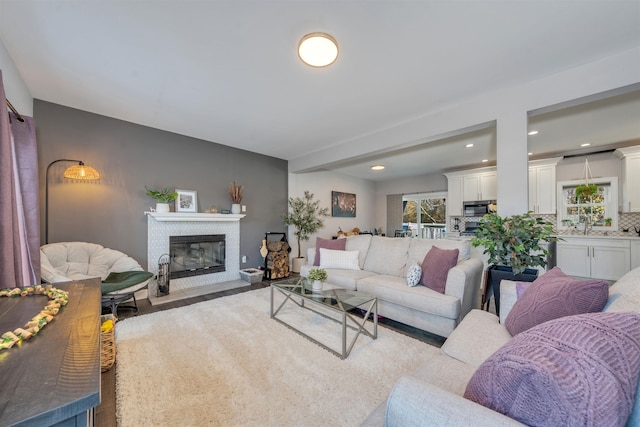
x=635, y=254
x=606, y=259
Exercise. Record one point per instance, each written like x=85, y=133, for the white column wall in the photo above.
x=512, y=163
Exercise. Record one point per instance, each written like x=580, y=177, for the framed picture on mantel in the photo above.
x=187, y=201
x=343, y=204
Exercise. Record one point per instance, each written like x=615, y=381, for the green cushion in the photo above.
x=117, y=281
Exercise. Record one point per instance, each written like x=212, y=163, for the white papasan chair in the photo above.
x=121, y=275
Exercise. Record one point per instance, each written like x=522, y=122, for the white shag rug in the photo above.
x=226, y=362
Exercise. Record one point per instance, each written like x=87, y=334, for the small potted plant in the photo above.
x=317, y=275
x=235, y=193
x=515, y=245
x=163, y=197
x=607, y=222
x=306, y=216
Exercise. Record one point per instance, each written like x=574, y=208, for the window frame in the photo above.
x=610, y=205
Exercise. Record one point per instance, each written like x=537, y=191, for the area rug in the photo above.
x=226, y=362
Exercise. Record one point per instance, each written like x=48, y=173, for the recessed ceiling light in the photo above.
x=318, y=49
x=586, y=144
x=468, y=146
x=533, y=132
x=528, y=154
x=377, y=167
x=485, y=160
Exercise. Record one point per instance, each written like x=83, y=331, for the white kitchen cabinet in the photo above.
x=479, y=186
x=635, y=254
x=602, y=258
x=454, y=196
x=630, y=178
x=542, y=185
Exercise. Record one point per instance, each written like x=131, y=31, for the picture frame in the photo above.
x=343, y=204
x=187, y=201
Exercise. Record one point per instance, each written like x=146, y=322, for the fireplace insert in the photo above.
x=196, y=255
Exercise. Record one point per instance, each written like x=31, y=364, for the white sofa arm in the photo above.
x=416, y=403
x=508, y=298
x=463, y=282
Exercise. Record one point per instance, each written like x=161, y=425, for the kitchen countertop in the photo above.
x=626, y=236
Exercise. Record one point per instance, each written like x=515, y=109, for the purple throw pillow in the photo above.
x=578, y=370
x=436, y=266
x=334, y=244
x=555, y=295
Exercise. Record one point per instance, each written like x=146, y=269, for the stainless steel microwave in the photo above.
x=479, y=208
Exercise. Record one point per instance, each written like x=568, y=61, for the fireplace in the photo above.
x=196, y=255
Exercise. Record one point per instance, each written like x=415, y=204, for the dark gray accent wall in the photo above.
x=129, y=156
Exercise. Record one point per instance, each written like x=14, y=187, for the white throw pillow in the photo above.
x=343, y=260
x=414, y=274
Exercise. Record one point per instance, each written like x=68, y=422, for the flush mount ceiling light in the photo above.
x=377, y=167
x=318, y=49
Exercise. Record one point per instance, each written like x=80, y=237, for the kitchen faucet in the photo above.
x=587, y=225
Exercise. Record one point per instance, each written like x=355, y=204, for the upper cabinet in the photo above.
x=479, y=186
x=454, y=196
x=542, y=185
x=630, y=178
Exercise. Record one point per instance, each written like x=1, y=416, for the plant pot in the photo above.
x=162, y=207
x=235, y=208
x=317, y=285
x=297, y=263
x=497, y=273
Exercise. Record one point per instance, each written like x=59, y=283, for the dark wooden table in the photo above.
x=53, y=378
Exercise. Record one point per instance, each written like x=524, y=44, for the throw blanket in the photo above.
x=116, y=281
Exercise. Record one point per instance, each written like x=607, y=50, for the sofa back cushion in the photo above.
x=361, y=244
x=419, y=248
x=578, y=370
x=555, y=295
x=624, y=295
x=387, y=255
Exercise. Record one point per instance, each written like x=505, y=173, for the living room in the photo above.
x=138, y=144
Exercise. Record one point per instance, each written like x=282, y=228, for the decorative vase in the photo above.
x=317, y=285
x=162, y=207
x=235, y=208
x=263, y=250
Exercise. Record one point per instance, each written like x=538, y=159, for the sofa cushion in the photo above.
x=419, y=248
x=359, y=243
x=414, y=274
x=624, y=295
x=394, y=289
x=335, y=244
x=576, y=370
x=343, y=260
x=387, y=255
x=436, y=266
x=477, y=337
x=555, y=295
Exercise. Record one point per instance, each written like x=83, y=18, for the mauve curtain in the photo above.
x=19, y=206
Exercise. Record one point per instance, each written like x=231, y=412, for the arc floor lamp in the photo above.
x=79, y=171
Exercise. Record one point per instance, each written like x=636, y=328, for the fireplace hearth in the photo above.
x=196, y=255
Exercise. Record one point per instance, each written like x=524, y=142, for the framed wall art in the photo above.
x=187, y=201
x=343, y=204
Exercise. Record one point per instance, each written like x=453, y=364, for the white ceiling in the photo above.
x=227, y=70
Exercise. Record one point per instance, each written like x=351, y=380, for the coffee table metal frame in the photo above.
x=299, y=291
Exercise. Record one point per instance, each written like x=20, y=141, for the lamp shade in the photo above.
x=82, y=172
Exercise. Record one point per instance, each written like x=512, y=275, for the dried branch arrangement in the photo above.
x=235, y=192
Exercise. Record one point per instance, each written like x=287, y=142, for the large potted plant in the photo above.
x=305, y=215
x=516, y=245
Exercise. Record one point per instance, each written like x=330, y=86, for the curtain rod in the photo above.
x=12, y=108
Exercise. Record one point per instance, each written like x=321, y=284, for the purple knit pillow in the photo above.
x=555, y=295
x=436, y=266
x=578, y=370
x=334, y=244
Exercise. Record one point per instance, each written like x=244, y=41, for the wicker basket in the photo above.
x=107, y=344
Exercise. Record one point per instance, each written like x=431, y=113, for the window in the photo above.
x=424, y=215
x=598, y=211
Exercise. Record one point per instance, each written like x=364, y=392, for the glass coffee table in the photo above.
x=307, y=311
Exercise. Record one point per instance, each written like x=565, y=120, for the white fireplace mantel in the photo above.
x=187, y=217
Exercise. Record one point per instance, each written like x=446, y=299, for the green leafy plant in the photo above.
x=162, y=196
x=586, y=191
x=515, y=241
x=305, y=215
x=317, y=274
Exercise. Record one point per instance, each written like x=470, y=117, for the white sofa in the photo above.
x=432, y=395
x=383, y=262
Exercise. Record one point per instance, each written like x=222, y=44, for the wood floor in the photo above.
x=105, y=413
